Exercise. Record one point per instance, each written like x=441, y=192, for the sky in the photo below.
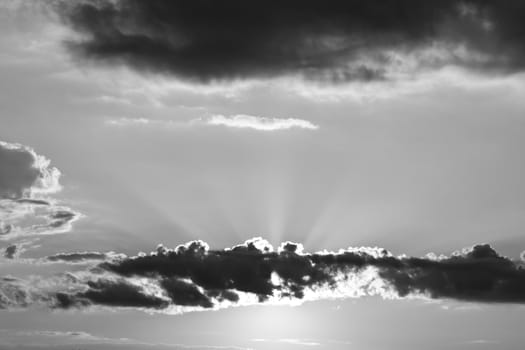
x=258, y=175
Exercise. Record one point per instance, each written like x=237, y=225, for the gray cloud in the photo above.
x=120, y=293
x=26, y=182
x=11, y=251
x=331, y=40
x=77, y=257
x=479, y=274
x=24, y=173
x=194, y=277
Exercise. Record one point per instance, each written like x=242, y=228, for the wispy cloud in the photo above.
x=293, y=341
x=48, y=339
x=239, y=121
x=260, y=123
x=147, y=122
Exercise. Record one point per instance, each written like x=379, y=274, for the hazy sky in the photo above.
x=128, y=124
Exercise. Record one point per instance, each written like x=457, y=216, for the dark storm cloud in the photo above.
x=331, y=40
x=120, y=293
x=194, y=276
x=11, y=251
x=184, y=293
x=33, y=201
x=480, y=275
x=5, y=229
x=244, y=268
x=77, y=257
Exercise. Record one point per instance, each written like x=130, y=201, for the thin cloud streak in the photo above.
x=239, y=121
x=243, y=121
x=48, y=339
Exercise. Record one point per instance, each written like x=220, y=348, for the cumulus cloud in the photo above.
x=25, y=173
x=26, y=182
x=194, y=277
x=333, y=40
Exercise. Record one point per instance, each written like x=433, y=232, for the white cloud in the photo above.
x=129, y=121
x=293, y=341
x=145, y=122
x=240, y=121
x=260, y=123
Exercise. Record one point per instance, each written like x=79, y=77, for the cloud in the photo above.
x=260, y=123
x=129, y=121
x=67, y=340
x=22, y=293
x=293, y=341
x=79, y=257
x=24, y=173
x=479, y=274
x=41, y=337
x=194, y=277
x=31, y=218
x=146, y=122
x=120, y=293
x=11, y=251
x=332, y=40
x=26, y=182
x=240, y=121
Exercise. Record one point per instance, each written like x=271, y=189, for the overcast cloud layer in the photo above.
x=194, y=277
x=331, y=40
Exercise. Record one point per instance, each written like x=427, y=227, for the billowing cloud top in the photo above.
x=24, y=173
x=335, y=40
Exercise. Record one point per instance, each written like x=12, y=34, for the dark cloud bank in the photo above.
x=335, y=40
x=193, y=277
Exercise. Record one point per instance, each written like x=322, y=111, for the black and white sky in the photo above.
x=286, y=174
